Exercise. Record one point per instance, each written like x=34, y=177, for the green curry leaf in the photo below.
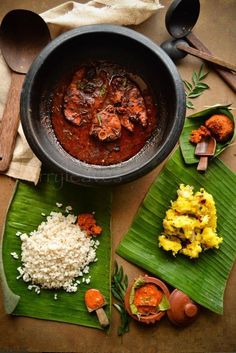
x=164, y=304
x=119, y=287
x=195, y=88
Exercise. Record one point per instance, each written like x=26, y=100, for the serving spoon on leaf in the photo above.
x=204, y=149
x=95, y=301
x=23, y=34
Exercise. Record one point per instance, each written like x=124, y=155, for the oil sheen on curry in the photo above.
x=101, y=116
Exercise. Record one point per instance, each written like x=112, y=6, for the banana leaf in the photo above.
x=193, y=122
x=24, y=215
x=203, y=279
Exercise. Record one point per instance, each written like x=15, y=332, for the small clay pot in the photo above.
x=183, y=311
x=149, y=319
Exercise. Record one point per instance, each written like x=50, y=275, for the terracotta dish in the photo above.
x=150, y=319
x=183, y=310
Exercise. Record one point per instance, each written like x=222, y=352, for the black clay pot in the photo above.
x=120, y=45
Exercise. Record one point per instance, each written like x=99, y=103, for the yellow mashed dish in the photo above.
x=190, y=223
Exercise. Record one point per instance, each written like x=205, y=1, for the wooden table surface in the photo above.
x=216, y=27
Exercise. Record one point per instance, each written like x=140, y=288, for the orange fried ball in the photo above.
x=197, y=135
x=221, y=127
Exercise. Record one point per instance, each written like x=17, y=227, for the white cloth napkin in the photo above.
x=25, y=165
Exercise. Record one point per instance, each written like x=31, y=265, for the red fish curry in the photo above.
x=101, y=116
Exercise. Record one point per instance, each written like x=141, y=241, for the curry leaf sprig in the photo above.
x=195, y=88
x=119, y=286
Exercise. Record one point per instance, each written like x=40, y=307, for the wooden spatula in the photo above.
x=95, y=301
x=204, y=149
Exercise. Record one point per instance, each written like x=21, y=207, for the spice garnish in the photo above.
x=103, y=90
x=81, y=85
x=219, y=126
x=124, y=83
x=99, y=119
x=87, y=223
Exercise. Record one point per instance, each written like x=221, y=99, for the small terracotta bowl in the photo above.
x=149, y=319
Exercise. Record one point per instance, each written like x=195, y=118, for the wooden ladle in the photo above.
x=178, y=49
x=23, y=34
x=180, y=19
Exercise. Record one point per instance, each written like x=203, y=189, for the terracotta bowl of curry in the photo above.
x=102, y=105
x=146, y=298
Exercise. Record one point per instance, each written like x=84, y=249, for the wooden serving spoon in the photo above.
x=204, y=149
x=23, y=34
x=95, y=301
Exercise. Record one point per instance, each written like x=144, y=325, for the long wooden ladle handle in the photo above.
x=227, y=76
x=205, y=56
x=10, y=121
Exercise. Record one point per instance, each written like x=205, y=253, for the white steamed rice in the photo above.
x=56, y=253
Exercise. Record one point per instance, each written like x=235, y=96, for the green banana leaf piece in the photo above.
x=193, y=122
x=24, y=215
x=203, y=279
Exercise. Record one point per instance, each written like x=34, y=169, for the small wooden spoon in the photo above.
x=23, y=34
x=95, y=301
x=204, y=149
